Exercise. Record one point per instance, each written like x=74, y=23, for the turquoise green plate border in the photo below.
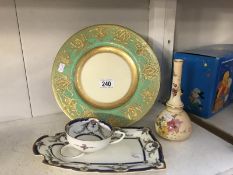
x=63, y=82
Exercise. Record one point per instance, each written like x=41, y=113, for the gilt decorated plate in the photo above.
x=107, y=72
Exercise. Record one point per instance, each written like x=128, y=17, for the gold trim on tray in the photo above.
x=125, y=57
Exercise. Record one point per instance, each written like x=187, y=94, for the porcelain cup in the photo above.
x=89, y=135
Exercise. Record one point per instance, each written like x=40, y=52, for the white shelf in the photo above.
x=202, y=154
x=223, y=120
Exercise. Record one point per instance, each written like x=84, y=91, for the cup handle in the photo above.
x=120, y=139
x=70, y=146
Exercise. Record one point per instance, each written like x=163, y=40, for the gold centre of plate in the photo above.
x=106, y=77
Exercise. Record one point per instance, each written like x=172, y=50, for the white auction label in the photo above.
x=61, y=67
x=106, y=83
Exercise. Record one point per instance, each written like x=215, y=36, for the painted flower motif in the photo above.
x=70, y=105
x=174, y=89
x=174, y=125
x=149, y=71
x=99, y=32
x=141, y=48
x=62, y=83
x=167, y=116
x=148, y=96
x=162, y=126
x=84, y=147
x=122, y=36
x=134, y=111
x=64, y=57
x=79, y=43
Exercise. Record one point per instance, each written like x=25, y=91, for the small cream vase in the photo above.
x=173, y=122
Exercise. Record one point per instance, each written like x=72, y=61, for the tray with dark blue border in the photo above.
x=138, y=151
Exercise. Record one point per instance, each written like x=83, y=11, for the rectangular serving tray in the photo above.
x=138, y=151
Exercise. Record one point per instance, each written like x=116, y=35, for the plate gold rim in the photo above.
x=125, y=57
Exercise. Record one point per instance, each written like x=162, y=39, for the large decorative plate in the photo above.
x=107, y=72
x=138, y=151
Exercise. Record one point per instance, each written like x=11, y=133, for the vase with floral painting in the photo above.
x=173, y=122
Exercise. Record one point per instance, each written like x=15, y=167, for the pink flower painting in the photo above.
x=174, y=125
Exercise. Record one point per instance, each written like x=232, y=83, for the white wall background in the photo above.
x=14, y=101
x=203, y=22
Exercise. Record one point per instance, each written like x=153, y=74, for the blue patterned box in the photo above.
x=207, y=79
